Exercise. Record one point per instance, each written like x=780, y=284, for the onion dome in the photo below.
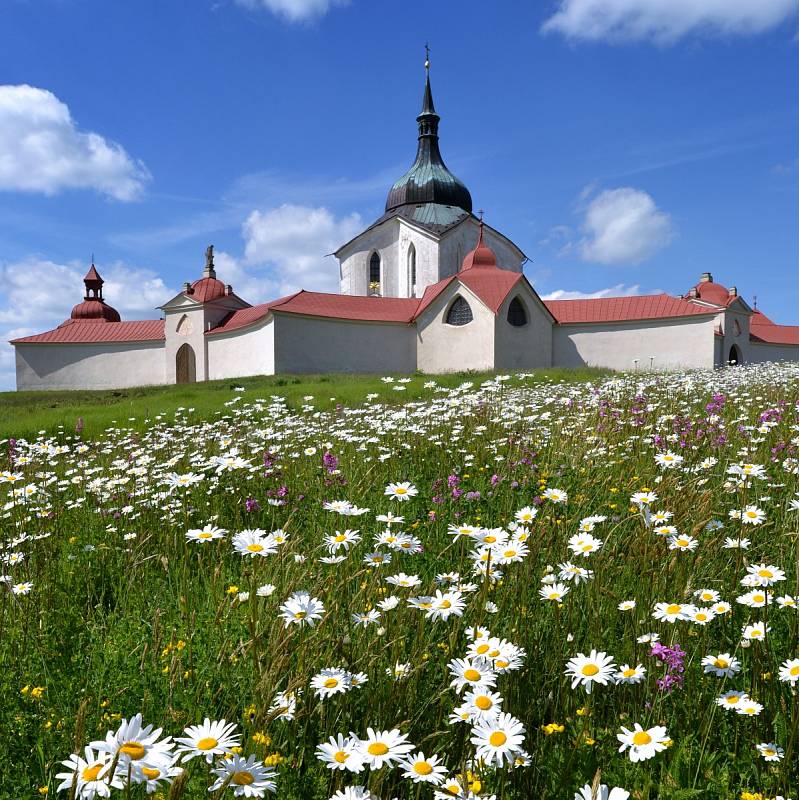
x=93, y=306
x=208, y=287
x=429, y=180
x=481, y=257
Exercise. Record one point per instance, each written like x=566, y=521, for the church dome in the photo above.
x=482, y=255
x=429, y=180
x=206, y=289
x=93, y=306
x=710, y=291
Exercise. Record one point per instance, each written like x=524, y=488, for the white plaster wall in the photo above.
x=728, y=319
x=527, y=347
x=427, y=250
x=192, y=335
x=316, y=344
x=242, y=352
x=355, y=260
x=683, y=343
x=759, y=352
x=451, y=348
x=89, y=366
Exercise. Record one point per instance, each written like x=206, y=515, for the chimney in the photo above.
x=733, y=291
x=692, y=293
x=186, y=288
x=706, y=278
x=228, y=289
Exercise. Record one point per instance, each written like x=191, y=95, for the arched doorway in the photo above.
x=185, y=365
x=735, y=357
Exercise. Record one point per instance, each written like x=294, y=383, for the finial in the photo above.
x=427, y=56
x=92, y=259
x=754, y=300
x=480, y=212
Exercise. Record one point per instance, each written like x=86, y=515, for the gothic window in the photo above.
x=412, y=271
x=374, y=272
x=459, y=312
x=517, y=316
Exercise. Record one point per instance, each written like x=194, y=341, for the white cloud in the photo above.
x=295, y=10
x=292, y=242
x=623, y=226
x=42, y=150
x=619, y=290
x=37, y=295
x=665, y=21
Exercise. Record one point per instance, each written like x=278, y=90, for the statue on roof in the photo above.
x=209, y=257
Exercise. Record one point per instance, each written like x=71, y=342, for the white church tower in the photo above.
x=426, y=231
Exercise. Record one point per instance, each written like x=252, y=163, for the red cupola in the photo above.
x=481, y=257
x=94, y=308
x=208, y=287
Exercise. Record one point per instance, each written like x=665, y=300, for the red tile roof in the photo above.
x=762, y=329
x=207, y=289
x=78, y=332
x=622, y=309
x=342, y=306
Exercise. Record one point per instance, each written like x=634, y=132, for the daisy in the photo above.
x=254, y=543
x=340, y=753
x=643, y=744
x=757, y=598
x=301, y=609
x=641, y=499
x=770, y=751
x=353, y=793
x=597, y=667
x=134, y=742
x=401, y=579
x=154, y=776
x=330, y=681
x=526, y=515
x=707, y=595
x=752, y=515
x=377, y=559
x=446, y=605
x=732, y=700
x=248, y=777
x=555, y=495
x=471, y=673
x=571, y=572
x=723, y=665
x=786, y=601
x=217, y=738
x=603, y=793
x=482, y=704
x=401, y=491
x=789, y=671
x=748, y=708
x=498, y=740
x=555, y=591
x=381, y=748
x=628, y=674
x=366, y=618
x=683, y=542
x=740, y=543
x=765, y=574
x=583, y=544
x=421, y=769
x=89, y=775
x=671, y=612
x=341, y=539
x=205, y=534
x=668, y=460
x=756, y=631
x=626, y=605
x=700, y=616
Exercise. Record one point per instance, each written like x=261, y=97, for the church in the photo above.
x=427, y=287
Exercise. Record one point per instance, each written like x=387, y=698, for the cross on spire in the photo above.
x=427, y=56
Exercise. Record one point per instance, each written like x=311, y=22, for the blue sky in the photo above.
x=625, y=145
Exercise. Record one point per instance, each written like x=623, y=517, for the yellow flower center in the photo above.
x=208, y=743
x=501, y=664
x=341, y=756
x=255, y=548
x=331, y=683
x=483, y=702
x=471, y=675
x=150, y=773
x=674, y=608
x=769, y=752
x=682, y=542
x=300, y=614
x=204, y=535
x=701, y=617
x=135, y=750
x=641, y=738
x=482, y=648
x=758, y=598
x=794, y=670
x=765, y=573
x=732, y=699
x=497, y=739
x=629, y=672
x=721, y=663
x=400, y=490
x=91, y=773
x=510, y=554
x=590, y=670
x=377, y=749
x=756, y=633
x=490, y=539
x=446, y=604
x=341, y=537
x=422, y=768
x=243, y=778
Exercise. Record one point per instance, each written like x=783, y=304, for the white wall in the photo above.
x=687, y=342
x=242, y=352
x=462, y=239
x=451, y=348
x=759, y=352
x=89, y=366
x=355, y=260
x=728, y=319
x=316, y=344
x=527, y=347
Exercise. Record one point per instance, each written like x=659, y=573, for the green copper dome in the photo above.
x=429, y=180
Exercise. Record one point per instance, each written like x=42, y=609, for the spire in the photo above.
x=428, y=180
x=93, y=283
x=94, y=308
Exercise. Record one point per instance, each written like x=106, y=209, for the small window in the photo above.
x=412, y=271
x=517, y=316
x=374, y=271
x=459, y=312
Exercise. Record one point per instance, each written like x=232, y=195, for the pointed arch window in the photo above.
x=460, y=312
x=517, y=316
x=374, y=273
x=412, y=271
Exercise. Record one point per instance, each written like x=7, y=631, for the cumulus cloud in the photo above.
x=37, y=294
x=291, y=243
x=619, y=290
x=42, y=150
x=623, y=226
x=665, y=21
x=295, y=10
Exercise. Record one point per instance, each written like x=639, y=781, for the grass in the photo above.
x=127, y=615
x=25, y=414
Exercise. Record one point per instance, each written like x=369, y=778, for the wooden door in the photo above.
x=185, y=365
